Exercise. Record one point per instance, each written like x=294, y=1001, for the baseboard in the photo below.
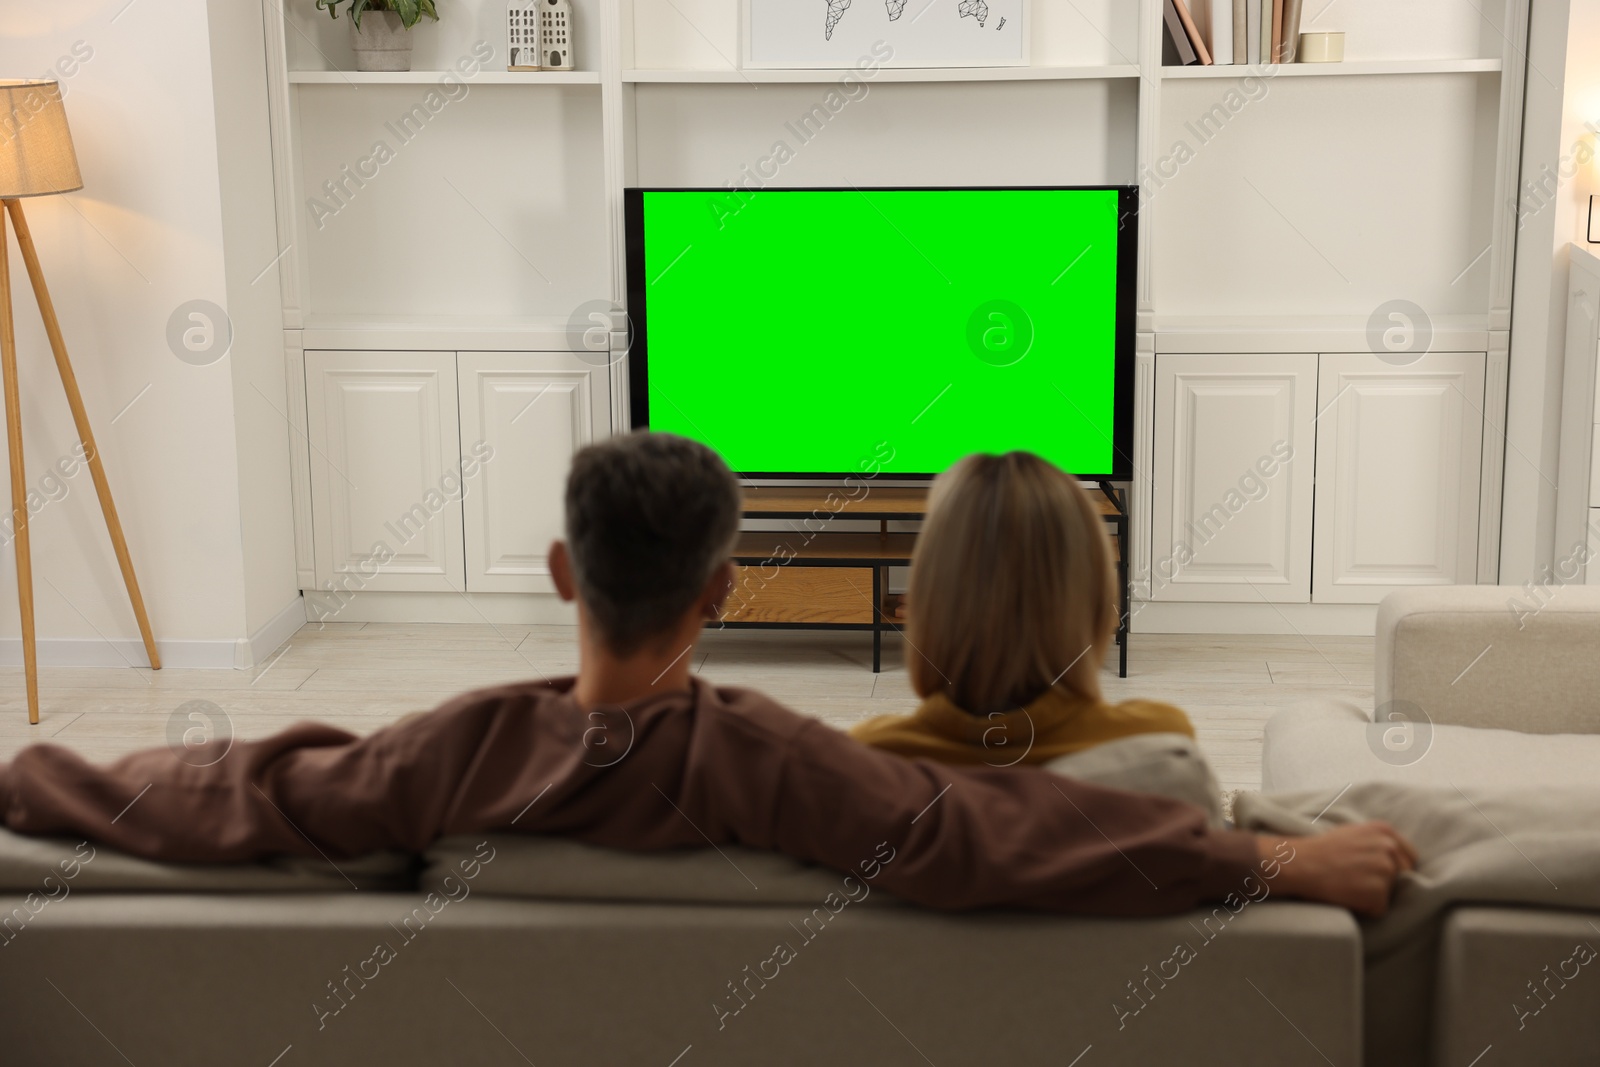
x=219, y=654
x=513, y=609
x=1321, y=620
x=250, y=651
x=120, y=652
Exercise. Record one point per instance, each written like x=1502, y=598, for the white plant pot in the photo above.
x=381, y=42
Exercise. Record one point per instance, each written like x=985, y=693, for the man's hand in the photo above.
x=1353, y=866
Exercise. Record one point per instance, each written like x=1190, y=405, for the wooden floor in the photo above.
x=360, y=676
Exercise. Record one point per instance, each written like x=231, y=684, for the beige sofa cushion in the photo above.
x=1489, y=958
x=1329, y=744
x=53, y=867
x=197, y=981
x=1494, y=656
x=557, y=868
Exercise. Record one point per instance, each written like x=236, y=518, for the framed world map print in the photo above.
x=840, y=34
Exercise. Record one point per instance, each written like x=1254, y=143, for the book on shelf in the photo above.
x=1220, y=40
x=1231, y=32
x=1176, y=34
x=1291, y=29
x=1195, y=38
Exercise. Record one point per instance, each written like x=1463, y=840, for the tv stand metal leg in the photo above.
x=877, y=620
x=1124, y=598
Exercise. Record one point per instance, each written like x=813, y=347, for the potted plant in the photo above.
x=382, y=41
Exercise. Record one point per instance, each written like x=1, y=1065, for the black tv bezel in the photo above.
x=1125, y=322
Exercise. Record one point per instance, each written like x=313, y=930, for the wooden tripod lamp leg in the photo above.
x=19, y=487
x=80, y=416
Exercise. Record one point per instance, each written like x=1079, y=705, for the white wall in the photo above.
x=145, y=235
x=457, y=198
x=1304, y=154
x=993, y=135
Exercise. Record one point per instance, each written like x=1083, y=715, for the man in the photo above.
x=637, y=753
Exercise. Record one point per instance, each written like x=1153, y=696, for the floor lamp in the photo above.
x=36, y=159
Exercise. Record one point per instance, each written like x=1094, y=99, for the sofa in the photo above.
x=1478, y=686
x=513, y=950
x=615, y=958
x=527, y=950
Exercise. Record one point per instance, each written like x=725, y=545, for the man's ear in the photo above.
x=717, y=590
x=561, y=571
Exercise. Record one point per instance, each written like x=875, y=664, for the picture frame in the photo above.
x=848, y=34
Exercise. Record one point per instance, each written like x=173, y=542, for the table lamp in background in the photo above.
x=36, y=159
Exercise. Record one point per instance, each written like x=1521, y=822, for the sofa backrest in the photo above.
x=1508, y=657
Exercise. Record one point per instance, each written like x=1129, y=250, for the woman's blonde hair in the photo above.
x=1012, y=589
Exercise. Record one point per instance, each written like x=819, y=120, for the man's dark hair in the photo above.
x=650, y=516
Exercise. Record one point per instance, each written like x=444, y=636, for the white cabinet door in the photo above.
x=1398, y=465
x=1231, y=495
x=523, y=414
x=385, y=470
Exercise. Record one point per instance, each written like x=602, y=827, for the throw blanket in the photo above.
x=1477, y=846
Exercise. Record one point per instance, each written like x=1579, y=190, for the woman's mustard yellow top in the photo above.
x=1054, y=724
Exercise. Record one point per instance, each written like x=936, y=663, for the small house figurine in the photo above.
x=555, y=34
x=522, y=36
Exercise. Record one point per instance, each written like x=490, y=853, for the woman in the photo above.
x=1013, y=606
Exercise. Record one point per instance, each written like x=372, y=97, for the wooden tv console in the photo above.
x=813, y=578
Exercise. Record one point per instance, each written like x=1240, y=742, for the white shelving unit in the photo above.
x=1282, y=204
x=1348, y=69
x=886, y=75
x=432, y=77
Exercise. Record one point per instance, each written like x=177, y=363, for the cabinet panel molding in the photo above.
x=1399, y=454
x=525, y=414
x=1231, y=498
x=385, y=471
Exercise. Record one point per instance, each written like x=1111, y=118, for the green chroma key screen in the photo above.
x=830, y=331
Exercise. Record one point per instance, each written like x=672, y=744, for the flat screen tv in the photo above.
x=818, y=333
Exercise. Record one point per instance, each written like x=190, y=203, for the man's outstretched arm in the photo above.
x=965, y=837
x=307, y=790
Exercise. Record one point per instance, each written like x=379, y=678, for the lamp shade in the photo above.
x=36, y=156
